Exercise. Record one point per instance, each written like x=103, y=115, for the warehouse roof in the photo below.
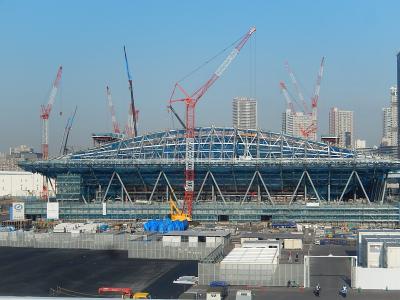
x=259, y=256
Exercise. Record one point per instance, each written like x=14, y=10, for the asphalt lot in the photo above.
x=33, y=272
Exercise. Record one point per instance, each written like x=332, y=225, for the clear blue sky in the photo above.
x=167, y=39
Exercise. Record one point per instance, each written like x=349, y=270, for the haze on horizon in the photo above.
x=165, y=40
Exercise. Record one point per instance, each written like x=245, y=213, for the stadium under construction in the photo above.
x=240, y=175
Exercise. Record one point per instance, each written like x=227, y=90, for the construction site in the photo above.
x=232, y=207
x=214, y=173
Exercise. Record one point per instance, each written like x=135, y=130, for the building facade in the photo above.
x=341, y=124
x=389, y=134
x=244, y=113
x=297, y=124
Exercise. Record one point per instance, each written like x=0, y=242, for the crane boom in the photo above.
x=177, y=116
x=131, y=93
x=45, y=113
x=317, y=88
x=225, y=64
x=296, y=85
x=190, y=103
x=285, y=93
x=67, y=131
x=112, y=111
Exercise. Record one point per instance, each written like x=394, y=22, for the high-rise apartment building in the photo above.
x=341, y=125
x=389, y=137
x=244, y=113
x=296, y=124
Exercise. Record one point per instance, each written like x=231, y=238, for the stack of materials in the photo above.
x=165, y=225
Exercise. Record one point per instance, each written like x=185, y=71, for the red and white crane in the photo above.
x=45, y=114
x=190, y=103
x=112, y=111
x=288, y=99
x=315, y=98
x=297, y=87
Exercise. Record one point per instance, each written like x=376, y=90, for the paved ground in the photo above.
x=298, y=294
x=32, y=272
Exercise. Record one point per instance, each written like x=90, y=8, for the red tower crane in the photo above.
x=112, y=111
x=45, y=114
x=190, y=105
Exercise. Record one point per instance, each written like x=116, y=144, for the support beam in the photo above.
x=170, y=187
x=345, y=188
x=154, y=188
x=265, y=188
x=217, y=186
x=202, y=186
x=297, y=187
x=312, y=185
x=124, y=188
x=362, y=187
x=108, y=187
x=384, y=188
x=248, y=188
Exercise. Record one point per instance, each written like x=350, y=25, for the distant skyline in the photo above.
x=166, y=40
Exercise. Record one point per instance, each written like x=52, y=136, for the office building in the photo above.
x=244, y=112
x=389, y=133
x=341, y=125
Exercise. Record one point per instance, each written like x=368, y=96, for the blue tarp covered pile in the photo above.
x=165, y=225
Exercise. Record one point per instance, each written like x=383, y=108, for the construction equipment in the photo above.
x=112, y=111
x=190, y=102
x=125, y=292
x=132, y=104
x=64, y=143
x=176, y=213
x=45, y=114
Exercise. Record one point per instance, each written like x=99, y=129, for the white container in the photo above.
x=244, y=295
x=293, y=244
x=393, y=257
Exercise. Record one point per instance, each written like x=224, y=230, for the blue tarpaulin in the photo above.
x=165, y=225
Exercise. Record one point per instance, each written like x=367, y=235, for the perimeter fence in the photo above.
x=137, y=248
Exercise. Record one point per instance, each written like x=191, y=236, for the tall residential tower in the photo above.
x=341, y=125
x=244, y=113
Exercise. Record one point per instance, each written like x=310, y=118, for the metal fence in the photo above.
x=256, y=275
x=149, y=249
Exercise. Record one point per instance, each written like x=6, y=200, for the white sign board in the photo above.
x=18, y=211
x=53, y=210
x=104, y=209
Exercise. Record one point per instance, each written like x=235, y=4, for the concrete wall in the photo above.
x=378, y=278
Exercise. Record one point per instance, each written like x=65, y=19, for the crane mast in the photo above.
x=315, y=98
x=190, y=105
x=112, y=111
x=45, y=114
x=133, y=109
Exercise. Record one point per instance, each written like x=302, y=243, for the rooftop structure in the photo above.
x=236, y=168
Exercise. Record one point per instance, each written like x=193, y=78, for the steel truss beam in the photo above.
x=257, y=173
x=209, y=173
x=156, y=184
x=305, y=174
x=354, y=172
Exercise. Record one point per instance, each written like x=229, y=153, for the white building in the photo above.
x=244, y=113
x=360, y=144
x=341, y=124
x=298, y=124
x=20, y=184
x=389, y=137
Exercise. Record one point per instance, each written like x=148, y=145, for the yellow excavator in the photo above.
x=176, y=213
